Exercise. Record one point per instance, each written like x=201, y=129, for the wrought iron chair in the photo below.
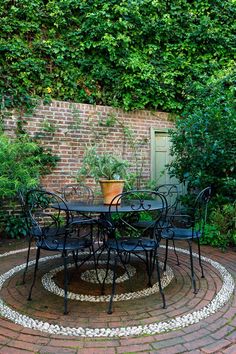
x=189, y=226
x=22, y=200
x=125, y=238
x=53, y=229
x=172, y=194
x=77, y=192
x=83, y=193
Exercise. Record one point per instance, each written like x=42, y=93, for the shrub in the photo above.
x=203, y=144
x=22, y=162
x=221, y=228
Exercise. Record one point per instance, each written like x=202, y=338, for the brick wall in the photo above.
x=68, y=128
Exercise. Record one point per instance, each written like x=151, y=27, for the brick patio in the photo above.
x=214, y=334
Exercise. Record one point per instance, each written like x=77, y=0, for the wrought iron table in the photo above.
x=98, y=207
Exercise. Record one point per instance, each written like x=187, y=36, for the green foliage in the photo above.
x=19, y=165
x=105, y=166
x=48, y=126
x=22, y=162
x=204, y=147
x=132, y=54
x=221, y=228
x=15, y=226
x=213, y=237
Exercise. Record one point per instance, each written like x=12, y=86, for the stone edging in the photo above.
x=221, y=298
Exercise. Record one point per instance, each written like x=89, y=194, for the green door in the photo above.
x=161, y=157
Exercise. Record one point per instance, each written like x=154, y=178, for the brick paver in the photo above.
x=215, y=334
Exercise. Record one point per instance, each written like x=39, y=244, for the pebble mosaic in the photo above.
x=219, y=300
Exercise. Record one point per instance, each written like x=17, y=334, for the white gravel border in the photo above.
x=220, y=299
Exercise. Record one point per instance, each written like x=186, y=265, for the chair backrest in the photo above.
x=22, y=197
x=201, y=204
x=140, y=213
x=77, y=192
x=195, y=215
x=48, y=215
x=171, y=193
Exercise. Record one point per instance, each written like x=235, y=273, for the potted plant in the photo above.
x=109, y=170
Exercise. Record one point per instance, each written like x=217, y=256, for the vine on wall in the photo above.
x=130, y=54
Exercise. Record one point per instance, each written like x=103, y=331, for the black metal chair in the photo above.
x=22, y=200
x=172, y=195
x=53, y=229
x=125, y=238
x=189, y=226
x=83, y=193
x=77, y=192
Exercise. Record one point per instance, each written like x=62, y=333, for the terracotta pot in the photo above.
x=110, y=188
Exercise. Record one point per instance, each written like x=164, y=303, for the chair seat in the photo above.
x=132, y=245
x=144, y=224
x=47, y=232
x=52, y=231
x=58, y=244
x=180, y=234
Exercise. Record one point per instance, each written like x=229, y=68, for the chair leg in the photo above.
x=159, y=282
x=176, y=254
x=150, y=260
x=192, y=269
x=199, y=257
x=65, y=282
x=27, y=260
x=75, y=258
x=127, y=260
x=107, y=268
x=166, y=255
x=95, y=263
x=35, y=271
x=113, y=286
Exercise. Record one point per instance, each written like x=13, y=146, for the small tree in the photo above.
x=204, y=147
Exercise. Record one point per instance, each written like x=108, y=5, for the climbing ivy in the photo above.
x=132, y=54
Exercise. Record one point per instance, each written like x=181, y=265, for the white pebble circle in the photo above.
x=220, y=299
x=51, y=286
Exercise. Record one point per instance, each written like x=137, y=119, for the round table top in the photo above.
x=97, y=206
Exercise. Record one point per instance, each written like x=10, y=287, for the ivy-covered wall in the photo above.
x=133, y=54
x=67, y=129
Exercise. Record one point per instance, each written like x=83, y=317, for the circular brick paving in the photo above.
x=141, y=314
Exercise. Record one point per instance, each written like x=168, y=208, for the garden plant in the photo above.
x=176, y=56
x=22, y=162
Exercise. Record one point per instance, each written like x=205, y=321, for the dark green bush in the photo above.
x=204, y=146
x=221, y=228
x=22, y=163
x=15, y=226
